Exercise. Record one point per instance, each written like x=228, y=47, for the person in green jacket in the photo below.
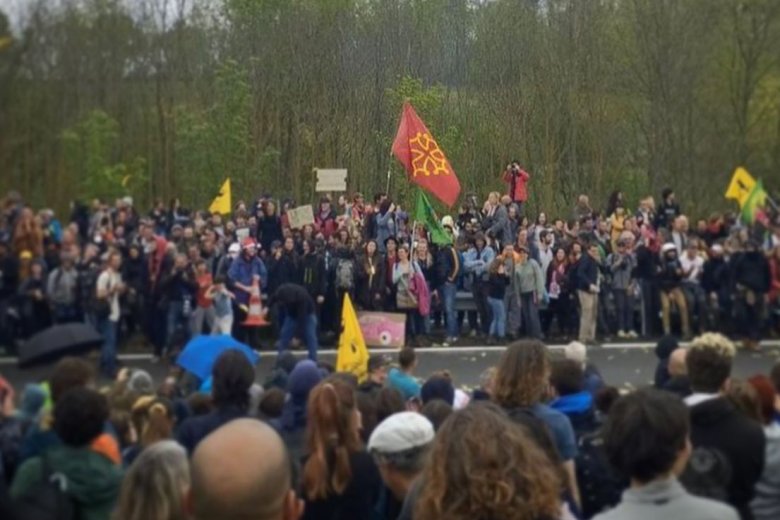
x=93, y=481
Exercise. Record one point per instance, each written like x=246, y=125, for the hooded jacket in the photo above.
x=93, y=480
x=716, y=424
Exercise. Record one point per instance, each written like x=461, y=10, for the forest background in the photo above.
x=164, y=98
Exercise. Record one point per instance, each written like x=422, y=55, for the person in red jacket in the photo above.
x=516, y=178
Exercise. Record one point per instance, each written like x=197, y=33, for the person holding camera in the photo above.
x=516, y=178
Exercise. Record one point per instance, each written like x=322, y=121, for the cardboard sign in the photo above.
x=331, y=179
x=383, y=329
x=242, y=233
x=300, y=216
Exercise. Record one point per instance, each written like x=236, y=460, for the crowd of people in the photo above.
x=544, y=437
x=592, y=275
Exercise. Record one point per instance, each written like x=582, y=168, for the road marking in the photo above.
x=10, y=360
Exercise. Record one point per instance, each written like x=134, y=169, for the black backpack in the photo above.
x=48, y=499
x=600, y=485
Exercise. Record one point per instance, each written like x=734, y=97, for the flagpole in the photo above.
x=387, y=190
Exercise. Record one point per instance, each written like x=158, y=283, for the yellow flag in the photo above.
x=352, y=355
x=742, y=183
x=222, y=202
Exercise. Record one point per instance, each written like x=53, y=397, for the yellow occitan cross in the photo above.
x=427, y=157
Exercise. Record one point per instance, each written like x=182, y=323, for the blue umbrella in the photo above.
x=201, y=352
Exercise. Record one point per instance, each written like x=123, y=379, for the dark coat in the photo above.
x=751, y=270
x=195, y=429
x=716, y=424
x=269, y=228
x=293, y=300
x=368, y=285
x=358, y=499
x=587, y=273
x=313, y=274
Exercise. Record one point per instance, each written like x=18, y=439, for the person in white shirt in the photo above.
x=108, y=287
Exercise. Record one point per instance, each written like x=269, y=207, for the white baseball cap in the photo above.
x=401, y=432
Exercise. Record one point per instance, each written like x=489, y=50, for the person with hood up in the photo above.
x=291, y=426
x=93, y=481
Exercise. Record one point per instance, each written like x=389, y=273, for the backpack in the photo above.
x=48, y=499
x=600, y=485
x=345, y=274
x=708, y=474
x=537, y=429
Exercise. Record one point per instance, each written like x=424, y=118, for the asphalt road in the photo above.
x=624, y=366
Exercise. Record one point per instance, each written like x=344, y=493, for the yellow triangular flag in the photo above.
x=222, y=202
x=742, y=183
x=352, y=355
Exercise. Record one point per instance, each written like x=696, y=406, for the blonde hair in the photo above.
x=714, y=341
x=153, y=419
x=155, y=484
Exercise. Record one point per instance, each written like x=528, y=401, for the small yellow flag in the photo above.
x=742, y=183
x=222, y=202
x=352, y=354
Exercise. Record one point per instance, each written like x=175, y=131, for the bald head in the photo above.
x=677, y=365
x=241, y=471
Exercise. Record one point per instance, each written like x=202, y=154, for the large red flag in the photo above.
x=424, y=161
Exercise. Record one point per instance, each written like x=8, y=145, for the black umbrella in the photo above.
x=58, y=341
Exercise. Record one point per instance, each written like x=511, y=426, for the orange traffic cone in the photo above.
x=254, y=315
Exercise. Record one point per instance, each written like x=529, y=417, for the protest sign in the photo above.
x=382, y=329
x=331, y=179
x=300, y=216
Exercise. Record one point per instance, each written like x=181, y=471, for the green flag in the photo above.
x=754, y=201
x=425, y=215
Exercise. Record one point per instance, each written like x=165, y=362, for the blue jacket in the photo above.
x=579, y=409
x=242, y=271
x=477, y=262
x=385, y=228
x=404, y=383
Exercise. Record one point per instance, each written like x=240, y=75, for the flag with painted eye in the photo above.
x=425, y=163
x=741, y=185
x=222, y=202
x=352, y=354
